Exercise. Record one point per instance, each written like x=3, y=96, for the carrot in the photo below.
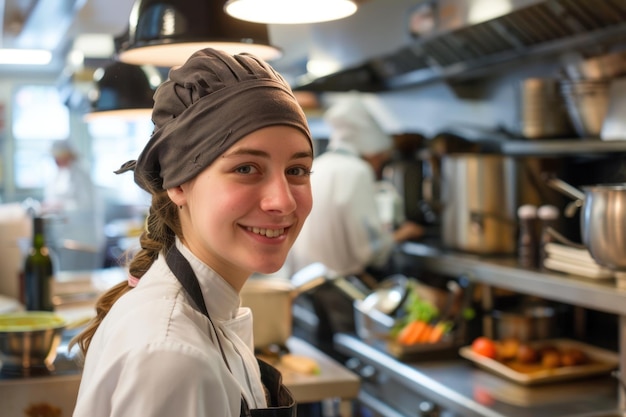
x=439, y=330
x=411, y=332
x=425, y=335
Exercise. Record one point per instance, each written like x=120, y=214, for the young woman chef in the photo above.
x=228, y=168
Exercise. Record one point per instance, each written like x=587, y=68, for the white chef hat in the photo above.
x=63, y=147
x=352, y=126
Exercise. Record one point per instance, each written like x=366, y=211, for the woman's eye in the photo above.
x=299, y=171
x=245, y=169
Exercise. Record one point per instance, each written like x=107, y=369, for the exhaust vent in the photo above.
x=548, y=26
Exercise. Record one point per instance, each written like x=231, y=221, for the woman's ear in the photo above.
x=177, y=195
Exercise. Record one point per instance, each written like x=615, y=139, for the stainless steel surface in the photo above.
x=542, y=111
x=459, y=387
x=603, y=223
x=561, y=147
x=587, y=103
x=599, y=67
x=494, y=272
x=388, y=296
x=25, y=351
x=464, y=47
x=479, y=197
x=614, y=126
x=503, y=272
x=531, y=323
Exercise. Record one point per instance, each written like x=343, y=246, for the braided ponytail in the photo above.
x=162, y=227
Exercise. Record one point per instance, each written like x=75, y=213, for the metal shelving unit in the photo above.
x=503, y=272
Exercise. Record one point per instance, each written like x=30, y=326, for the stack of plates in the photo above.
x=574, y=261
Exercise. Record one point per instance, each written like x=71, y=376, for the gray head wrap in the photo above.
x=206, y=106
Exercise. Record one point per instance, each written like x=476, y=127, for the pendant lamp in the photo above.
x=123, y=91
x=165, y=33
x=290, y=11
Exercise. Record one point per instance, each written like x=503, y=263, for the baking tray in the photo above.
x=602, y=361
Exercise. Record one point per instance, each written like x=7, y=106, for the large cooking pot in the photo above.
x=479, y=197
x=29, y=341
x=602, y=220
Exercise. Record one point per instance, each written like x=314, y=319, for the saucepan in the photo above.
x=602, y=220
x=271, y=300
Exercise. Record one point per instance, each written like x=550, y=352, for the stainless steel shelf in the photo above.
x=503, y=272
x=562, y=147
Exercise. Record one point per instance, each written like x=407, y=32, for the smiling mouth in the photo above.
x=266, y=232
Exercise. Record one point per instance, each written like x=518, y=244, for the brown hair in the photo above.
x=162, y=227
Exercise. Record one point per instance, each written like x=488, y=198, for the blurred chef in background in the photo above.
x=75, y=211
x=351, y=229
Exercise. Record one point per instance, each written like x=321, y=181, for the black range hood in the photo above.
x=533, y=27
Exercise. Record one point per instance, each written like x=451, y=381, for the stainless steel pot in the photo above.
x=602, y=220
x=603, y=223
x=531, y=323
x=479, y=197
x=29, y=341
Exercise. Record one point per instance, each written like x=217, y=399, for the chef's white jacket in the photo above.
x=345, y=230
x=156, y=355
x=78, y=210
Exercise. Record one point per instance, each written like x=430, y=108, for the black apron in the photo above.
x=280, y=401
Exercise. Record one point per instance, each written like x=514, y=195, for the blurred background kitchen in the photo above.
x=510, y=102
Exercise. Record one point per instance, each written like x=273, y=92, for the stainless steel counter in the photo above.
x=460, y=388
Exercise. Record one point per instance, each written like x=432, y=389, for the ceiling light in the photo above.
x=165, y=33
x=122, y=91
x=290, y=11
x=25, y=56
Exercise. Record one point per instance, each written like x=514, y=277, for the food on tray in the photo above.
x=421, y=322
x=484, y=346
x=556, y=360
x=528, y=357
x=507, y=348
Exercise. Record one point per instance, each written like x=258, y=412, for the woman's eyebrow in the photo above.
x=264, y=154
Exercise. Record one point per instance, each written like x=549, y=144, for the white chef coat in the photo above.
x=78, y=210
x=344, y=231
x=156, y=355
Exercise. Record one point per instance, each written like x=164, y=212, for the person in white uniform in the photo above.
x=76, y=212
x=346, y=230
x=228, y=168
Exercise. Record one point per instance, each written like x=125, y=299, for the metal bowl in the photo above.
x=29, y=341
x=587, y=104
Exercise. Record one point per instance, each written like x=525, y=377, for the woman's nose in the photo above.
x=277, y=196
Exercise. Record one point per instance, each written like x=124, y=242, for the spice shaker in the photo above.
x=527, y=248
x=548, y=216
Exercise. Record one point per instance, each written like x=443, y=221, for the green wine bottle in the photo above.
x=38, y=271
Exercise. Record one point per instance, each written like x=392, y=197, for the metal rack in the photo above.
x=503, y=272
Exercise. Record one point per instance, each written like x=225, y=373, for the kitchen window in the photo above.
x=39, y=118
x=114, y=142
